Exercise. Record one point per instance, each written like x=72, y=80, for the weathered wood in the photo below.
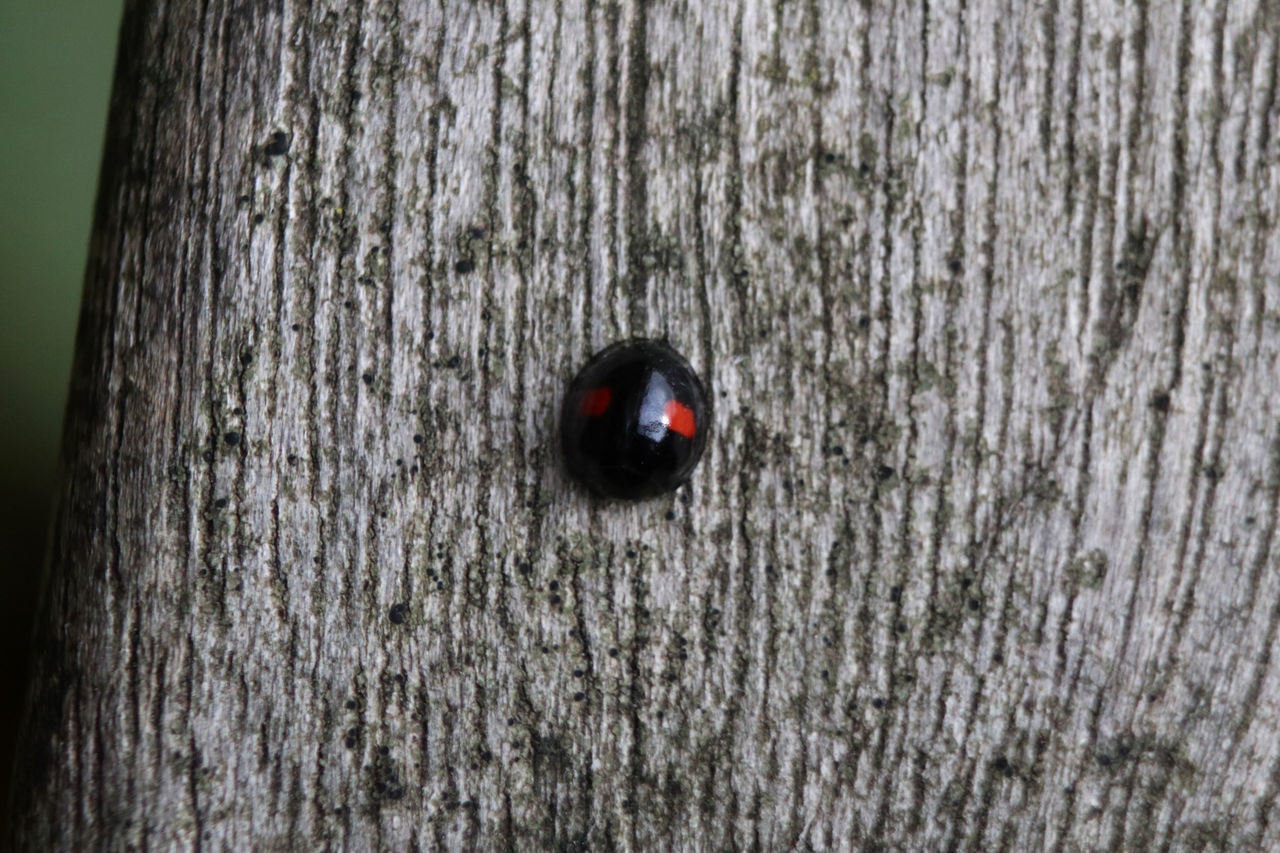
x=983, y=552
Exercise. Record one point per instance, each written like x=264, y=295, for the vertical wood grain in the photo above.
x=982, y=555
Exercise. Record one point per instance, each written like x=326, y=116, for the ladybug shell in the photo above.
x=635, y=420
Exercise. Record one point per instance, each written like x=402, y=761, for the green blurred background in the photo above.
x=56, y=62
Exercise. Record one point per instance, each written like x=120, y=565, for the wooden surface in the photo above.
x=982, y=555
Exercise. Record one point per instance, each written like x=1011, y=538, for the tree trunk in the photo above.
x=983, y=551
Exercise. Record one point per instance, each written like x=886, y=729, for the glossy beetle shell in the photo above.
x=635, y=420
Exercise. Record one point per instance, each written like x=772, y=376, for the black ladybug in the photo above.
x=635, y=420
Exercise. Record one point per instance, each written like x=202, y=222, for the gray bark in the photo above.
x=983, y=552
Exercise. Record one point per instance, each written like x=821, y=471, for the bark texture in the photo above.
x=982, y=555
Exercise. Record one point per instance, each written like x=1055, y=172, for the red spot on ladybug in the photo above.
x=595, y=402
x=679, y=418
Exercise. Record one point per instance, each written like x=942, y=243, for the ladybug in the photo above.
x=635, y=420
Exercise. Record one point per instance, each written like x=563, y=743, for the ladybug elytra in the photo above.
x=635, y=420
